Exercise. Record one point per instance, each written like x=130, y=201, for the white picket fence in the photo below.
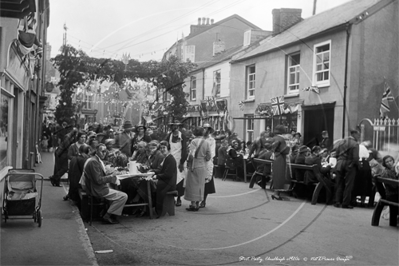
x=384, y=132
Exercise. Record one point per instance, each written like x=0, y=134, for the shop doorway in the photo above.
x=316, y=119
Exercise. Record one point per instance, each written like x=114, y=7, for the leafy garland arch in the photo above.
x=77, y=68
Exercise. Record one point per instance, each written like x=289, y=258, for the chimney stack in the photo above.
x=203, y=23
x=285, y=18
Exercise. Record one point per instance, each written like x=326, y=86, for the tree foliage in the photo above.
x=172, y=73
x=77, y=68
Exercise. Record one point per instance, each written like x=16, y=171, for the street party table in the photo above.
x=145, y=177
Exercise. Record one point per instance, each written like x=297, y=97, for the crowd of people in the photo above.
x=188, y=161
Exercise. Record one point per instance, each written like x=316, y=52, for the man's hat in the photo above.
x=303, y=149
x=127, y=125
x=91, y=134
x=140, y=126
x=208, y=126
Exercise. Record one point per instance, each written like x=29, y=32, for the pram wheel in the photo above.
x=5, y=214
x=39, y=218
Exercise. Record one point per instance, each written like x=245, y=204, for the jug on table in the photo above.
x=132, y=165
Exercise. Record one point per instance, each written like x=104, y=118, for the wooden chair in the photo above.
x=393, y=206
x=230, y=169
x=94, y=203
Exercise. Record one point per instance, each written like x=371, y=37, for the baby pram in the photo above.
x=21, y=198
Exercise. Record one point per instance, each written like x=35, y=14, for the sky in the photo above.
x=145, y=29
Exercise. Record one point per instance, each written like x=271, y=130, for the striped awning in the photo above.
x=16, y=8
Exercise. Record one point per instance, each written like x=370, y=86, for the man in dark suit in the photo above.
x=96, y=181
x=347, y=153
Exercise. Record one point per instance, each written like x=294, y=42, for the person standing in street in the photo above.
x=178, y=148
x=198, y=170
x=281, y=150
x=222, y=157
x=124, y=140
x=61, y=158
x=347, y=153
x=75, y=173
x=258, y=145
x=209, y=181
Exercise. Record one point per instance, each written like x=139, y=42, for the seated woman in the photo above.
x=391, y=191
x=165, y=175
x=155, y=156
x=154, y=160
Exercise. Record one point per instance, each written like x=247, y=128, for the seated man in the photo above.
x=140, y=154
x=314, y=158
x=94, y=172
x=236, y=158
x=300, y=159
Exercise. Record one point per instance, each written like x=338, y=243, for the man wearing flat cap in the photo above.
x=124, y=140
x=347, y=154
x=178, y=148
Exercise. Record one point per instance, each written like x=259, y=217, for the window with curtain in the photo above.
x=250, y=82
x=293, y=73
x=193, y=88
x=321, y=64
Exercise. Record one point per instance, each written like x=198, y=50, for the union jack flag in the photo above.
x=386, y=98
x=278, y=105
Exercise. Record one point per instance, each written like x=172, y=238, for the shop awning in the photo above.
x=16, y=8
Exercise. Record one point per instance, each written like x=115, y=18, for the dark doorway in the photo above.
x=318, y=118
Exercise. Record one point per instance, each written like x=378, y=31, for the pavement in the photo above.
x=238, y=226
x=62, y=238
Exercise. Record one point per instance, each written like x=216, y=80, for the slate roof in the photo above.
x=252, y=26
x=316, y=24
x=226, y=55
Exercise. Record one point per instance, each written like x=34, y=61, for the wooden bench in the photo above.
x=393, y=206
x=169, y=203
x=323, y=182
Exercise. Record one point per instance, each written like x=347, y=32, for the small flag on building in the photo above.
x=278, y=105
x=386, y=98
x=312, y=88
x=241, y=105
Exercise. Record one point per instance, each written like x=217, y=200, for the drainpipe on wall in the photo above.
x=348, y=33
x=203, y=90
